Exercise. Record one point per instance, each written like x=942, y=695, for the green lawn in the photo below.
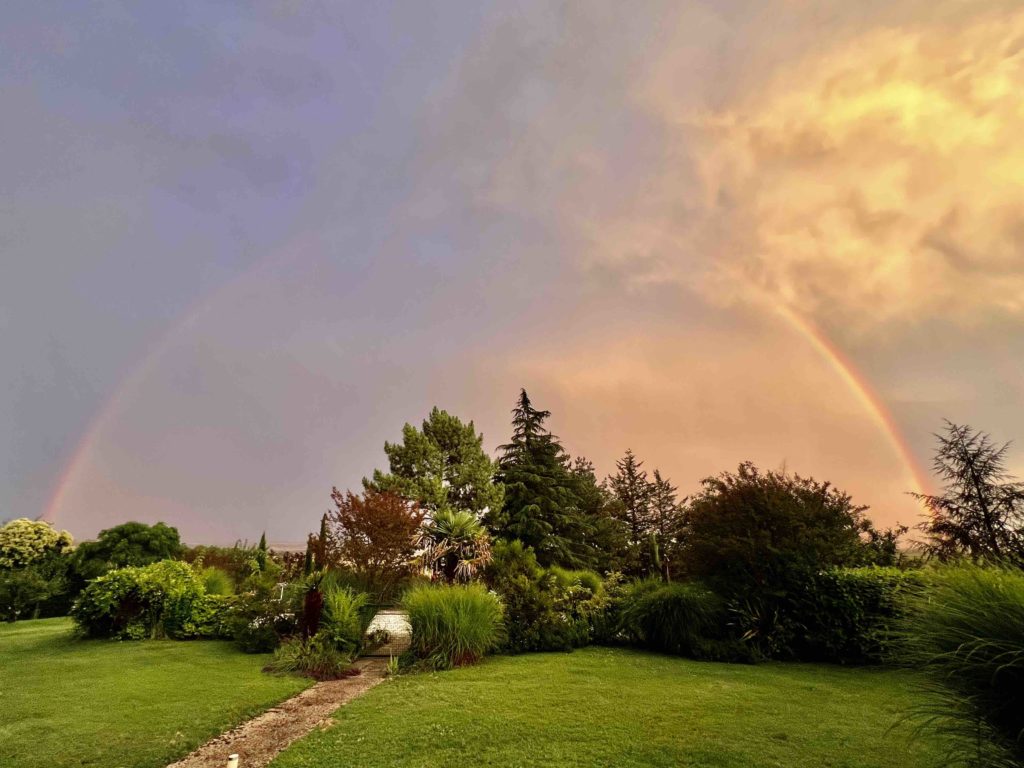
x=68, y=702
x=605, y=707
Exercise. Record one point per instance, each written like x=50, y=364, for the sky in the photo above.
x=244, y=242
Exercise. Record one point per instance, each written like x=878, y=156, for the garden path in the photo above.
x=257, y=741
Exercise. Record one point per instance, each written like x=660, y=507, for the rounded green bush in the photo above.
x=165, y=599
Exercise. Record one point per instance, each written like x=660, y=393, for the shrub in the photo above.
x=264, y=615
x=453, y=625
x=24, y=590
x=374, y=532
x=165, y=599
x=841, y=615
x=850, y=615
x=566, y=578
x=966, y=631
x=532, y=620
x=241, y=562
x=750, y=533
x=344, y=618
x=315, y=657
x=682, y=619
x=553, y=609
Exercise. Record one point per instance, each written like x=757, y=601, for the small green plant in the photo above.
x=342, y=620
x=377, y=638
x=393, y=667
x=315, y=657
x=566, y=578
x=453, y=625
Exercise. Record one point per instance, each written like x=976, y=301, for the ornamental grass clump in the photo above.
x=453, y=625
x=966, y=632
x=683, y=619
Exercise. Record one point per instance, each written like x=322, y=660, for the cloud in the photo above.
x=861, y=165
x=881, y=182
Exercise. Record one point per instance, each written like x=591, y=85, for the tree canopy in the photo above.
x=980, y=512
x=24, y=542
x=374, y=535
x=750, y=530
x=442, y=465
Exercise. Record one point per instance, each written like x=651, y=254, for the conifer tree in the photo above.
x=633, y=491
x=980, y=512
x=540, y=508
x=261, y=552
x=668, y=521
x=441, y=466
x=607, y=537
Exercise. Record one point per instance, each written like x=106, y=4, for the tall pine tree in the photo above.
x=540, y=508
x=607, y=535
x=633, y=491
x=667, y=520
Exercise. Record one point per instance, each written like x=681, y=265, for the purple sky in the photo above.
x=242, y=246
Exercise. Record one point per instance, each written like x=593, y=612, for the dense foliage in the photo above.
x=165, y=599
x=682, y=619
x=34, y=564
x=26, y=542
x=453, y=625
x=753, y=532
x=374, y=534
x=345, y=618
x=265, y=615
x=966, y=632
x=240, y=562
x=547, y=609
x=128, y=544
x=850, y=615
x=442, y=466
x=315, y=657
x=454, y=545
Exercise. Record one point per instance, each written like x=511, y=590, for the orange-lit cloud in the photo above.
x=881, y=182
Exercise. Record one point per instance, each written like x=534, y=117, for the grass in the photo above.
x=611, y=707
x=68, y=702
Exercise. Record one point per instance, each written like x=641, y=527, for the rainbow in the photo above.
x=855, y=382
x=138, y=373
x=860, y=388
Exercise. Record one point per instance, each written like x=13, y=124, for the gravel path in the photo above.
x=257, y=741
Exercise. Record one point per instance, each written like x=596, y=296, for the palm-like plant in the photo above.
x=454, y=545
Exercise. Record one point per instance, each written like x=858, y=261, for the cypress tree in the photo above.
x=307, y=565
x=261, y=552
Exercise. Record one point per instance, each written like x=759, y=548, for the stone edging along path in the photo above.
x=257, y=741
